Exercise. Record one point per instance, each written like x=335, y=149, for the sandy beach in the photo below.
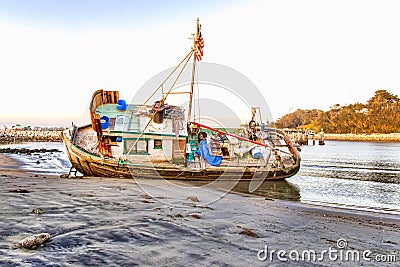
x=96, y=221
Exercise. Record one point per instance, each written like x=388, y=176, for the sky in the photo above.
x=300, y=54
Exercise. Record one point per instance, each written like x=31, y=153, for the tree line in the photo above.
x=381, y=114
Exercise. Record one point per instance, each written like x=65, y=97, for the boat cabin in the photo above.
x=132, y=130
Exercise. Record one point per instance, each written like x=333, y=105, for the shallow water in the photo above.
x=352, y=175
x=49, y=162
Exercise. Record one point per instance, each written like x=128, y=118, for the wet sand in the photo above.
x=113, y=222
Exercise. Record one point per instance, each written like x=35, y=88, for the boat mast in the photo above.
x=195, y=51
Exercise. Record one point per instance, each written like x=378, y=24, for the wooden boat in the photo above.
x=161, y=141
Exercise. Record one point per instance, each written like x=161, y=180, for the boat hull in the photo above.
x=92, y=165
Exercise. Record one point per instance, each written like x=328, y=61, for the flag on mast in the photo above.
x=200, y=46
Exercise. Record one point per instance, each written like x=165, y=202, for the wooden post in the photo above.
x=321, y=141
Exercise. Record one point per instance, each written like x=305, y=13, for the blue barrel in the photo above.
x=104, y=122
x=121, y=105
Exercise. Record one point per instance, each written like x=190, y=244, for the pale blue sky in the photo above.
x=300, y=54
x=94, y=14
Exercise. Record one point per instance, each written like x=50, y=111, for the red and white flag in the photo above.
x=200, y=46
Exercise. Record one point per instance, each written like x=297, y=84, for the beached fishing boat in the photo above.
x=159, y=140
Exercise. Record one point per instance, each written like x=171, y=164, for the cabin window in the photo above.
x=157, y=144
x=141, y=146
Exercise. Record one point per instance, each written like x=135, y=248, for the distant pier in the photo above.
x=304, y=138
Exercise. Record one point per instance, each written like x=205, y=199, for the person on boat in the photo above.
x=204, y=152
x=202, y=136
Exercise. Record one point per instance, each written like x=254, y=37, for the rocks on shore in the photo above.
x=26, y=150
x=19, y=191
x=37, y=211
x=34, y=241
x=249, y=232
x=195, y=215
x=193, y=198
x=30, y=136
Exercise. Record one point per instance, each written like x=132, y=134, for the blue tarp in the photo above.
x=205, y=153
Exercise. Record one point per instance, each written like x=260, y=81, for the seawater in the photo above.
x=351, y=175
x=49, y=162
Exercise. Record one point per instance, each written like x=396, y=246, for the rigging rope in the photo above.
x=172, y=72
x=198, y=93
x=163, y=99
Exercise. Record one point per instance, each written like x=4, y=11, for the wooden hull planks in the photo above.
x=92, y=165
